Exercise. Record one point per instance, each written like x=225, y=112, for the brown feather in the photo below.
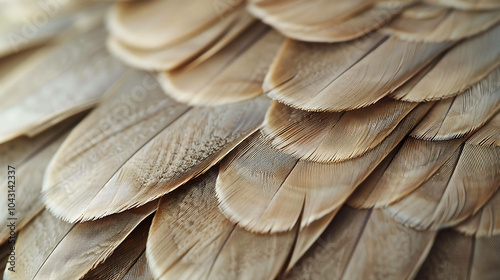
x=461, y=115
x=137, y=24
x=332, y=137
x=234, y=74
x=449, y=77
x=457, y=190
x=455, y=256
x=486, y=222
x=362, y=72
x=364, y=244
x=260, y=187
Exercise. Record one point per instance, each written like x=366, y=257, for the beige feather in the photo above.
x=140, y=270
x=191, y=239
x=363, y=245
x=83, y=246
x=67, y=80
x=185, y=149
x=453, y=25
x=234, y=74
x=415, y=162
x=132, y=112
x=172, y=56
x=351, y=80
x=449, y=77
x=486, y=222
x=27, y=179
x=342, y=21
x=124, y=257
x=35, y=244
x=455, y=256
x=468, y=4
x=461, y=115
x=455, y=192
x=138, y=24
x=260, y=187
x=332, y=137
x=424, y=11
x=488, y=135
x=33, y=25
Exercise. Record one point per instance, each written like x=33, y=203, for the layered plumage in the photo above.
x=270, y=139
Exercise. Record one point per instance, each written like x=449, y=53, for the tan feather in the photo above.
x=455, y=256
x=234, y=74
x=35, y=244
x=137, y=24
x=262, y=195
x=415, y=162
x=449, y=78
x=187, y=142
x=191, y=239
x=132, y=112
x=77, y=249
x=351, y=80
x=468, y=4
x=486, y=222
x=32, y=25
x=124, y=257
x=331, y=137
x=327, y=26
x=461, y=115
x=140, y=270
x=364, y=244
x=488, y=135
x=455, y=192
x=67, y=80
x=27, y=180
x=424, y=11
x=453, y=25
x=172, y=56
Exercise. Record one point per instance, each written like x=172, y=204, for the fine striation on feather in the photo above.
x=456, y=117
x=236, y=73
x=332, y=137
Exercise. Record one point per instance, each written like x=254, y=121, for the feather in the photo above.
x=70, y=251
x=453, y=25
x=136, y=23
x=455, y=256
x=348, y=78
x=332, y=137
x=449, y=78
x=234, y=74
x=172, y=56
x=67, y=80
x=35, y=243
x=488, y=135
x=456, y=191
x=485, y=222
x=423, y=11
x=415, y=162
x=140, y=270
x=191, y=239
x=124, y=257
x=362, y=245
x=187, y=145
x=461, y=115
x=28, y=185
x=341, y=21
x=467, y=4
x=259, y=187
x=32, y=25
x=132, y=113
